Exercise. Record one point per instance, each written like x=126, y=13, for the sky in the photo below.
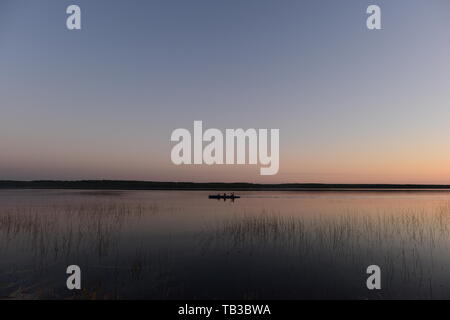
x=352, y=105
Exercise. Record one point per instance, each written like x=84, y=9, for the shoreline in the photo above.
x=214, y=186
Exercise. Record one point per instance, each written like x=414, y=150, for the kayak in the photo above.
x=217, y=196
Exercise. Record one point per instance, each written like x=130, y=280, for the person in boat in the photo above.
x=232, y=194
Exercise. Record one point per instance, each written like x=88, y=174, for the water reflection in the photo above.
x=181, y=245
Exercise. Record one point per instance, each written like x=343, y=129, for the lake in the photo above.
x=265, y=245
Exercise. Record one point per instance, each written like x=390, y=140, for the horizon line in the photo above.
x=188, y=185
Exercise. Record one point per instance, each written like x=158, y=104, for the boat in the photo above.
x=223, y=196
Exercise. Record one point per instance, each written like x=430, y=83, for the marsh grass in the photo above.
x=382, y=230
x=52, y=235
x=411, y=246
x=61, y=230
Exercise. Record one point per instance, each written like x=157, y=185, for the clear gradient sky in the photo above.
x=352, y=105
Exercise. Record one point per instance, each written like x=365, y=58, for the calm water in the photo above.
x=266, y=245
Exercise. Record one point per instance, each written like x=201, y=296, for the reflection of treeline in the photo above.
x=156, y=185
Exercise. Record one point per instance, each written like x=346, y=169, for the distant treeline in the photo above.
x=156, y=185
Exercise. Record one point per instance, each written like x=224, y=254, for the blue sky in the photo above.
x=352, y=105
